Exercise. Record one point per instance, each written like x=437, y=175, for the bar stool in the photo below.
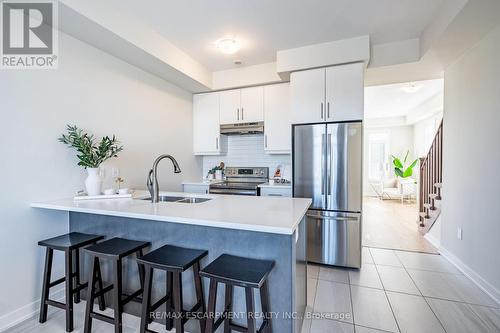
x=70, y=244
x=173, y=260
x=243, y=272
x=114, y=249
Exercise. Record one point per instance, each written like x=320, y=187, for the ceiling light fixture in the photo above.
x=412, y=88
x=228, y=45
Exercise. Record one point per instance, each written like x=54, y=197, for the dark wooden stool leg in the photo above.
x=141, y=269
x=264, y=299
x=76, y=270
x=69, y=290
x=228, y=307
x=46, y=284
x=146, y=300
x=117, y=295
x=169, y=323
x=179, y=327
x=251, y=327
x=212, y=296
x=90, y=295
x=98, y=279
x=199, y=293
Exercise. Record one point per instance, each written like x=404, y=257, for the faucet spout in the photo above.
x=152, y=181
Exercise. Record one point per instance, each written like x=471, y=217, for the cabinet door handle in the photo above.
x=238, y=113
x=216, y=143
x=265, y=141
x=328, y=110
x=242, y=116
x=321, y=110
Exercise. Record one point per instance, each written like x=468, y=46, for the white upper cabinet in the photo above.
x=345, y=92
x=242, y=105
x=328, y=94
x=277, y=125
x=206, y=129
x=230, y=101
x=307, y=92
x=252, y=105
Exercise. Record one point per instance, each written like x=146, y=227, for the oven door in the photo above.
x=232, y=191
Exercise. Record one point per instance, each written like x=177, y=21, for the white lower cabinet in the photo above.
x=277, y=122
x=195, y=188
x=276, y=191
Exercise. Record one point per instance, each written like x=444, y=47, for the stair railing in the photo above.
x=431, y=173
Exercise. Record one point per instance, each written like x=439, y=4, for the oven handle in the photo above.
x=232, y=191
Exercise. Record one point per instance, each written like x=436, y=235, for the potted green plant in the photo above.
x=400, y=168
x=91, y=154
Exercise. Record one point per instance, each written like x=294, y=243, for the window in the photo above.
x=378, y=155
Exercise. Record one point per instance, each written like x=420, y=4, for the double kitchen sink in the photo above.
x=168, y=198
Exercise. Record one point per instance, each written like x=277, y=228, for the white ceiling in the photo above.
x=265, y=26
x=391, y=101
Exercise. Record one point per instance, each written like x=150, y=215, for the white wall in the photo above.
x=247, y=151
x=97, y=92
x=424, y=132
x=400, y=140
x=470, y=156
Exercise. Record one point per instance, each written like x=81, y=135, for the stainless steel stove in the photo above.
x=241, y=181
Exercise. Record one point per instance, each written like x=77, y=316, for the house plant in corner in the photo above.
x=400, y=169
x=91, y=154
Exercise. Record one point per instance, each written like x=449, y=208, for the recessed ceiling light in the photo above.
x=228, y=45
x=412, y=88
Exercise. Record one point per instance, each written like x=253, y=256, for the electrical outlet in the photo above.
x=115, y=172
x=459, y=233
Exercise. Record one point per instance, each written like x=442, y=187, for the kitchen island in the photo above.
x=255, y=227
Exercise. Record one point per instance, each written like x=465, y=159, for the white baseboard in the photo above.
x=27, y=311
x=471, y=274
x=433, y=240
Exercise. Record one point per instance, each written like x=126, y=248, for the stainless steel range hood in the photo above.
x=242, y=128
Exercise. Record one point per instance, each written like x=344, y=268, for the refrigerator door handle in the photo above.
x=323, y=159
x=330, y=218
x=329, y=165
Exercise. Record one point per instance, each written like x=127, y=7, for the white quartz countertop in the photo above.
x=277, y=215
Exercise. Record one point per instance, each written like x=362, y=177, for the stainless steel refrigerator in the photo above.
x=327, y=167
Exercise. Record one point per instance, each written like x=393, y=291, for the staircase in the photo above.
x=431, y=176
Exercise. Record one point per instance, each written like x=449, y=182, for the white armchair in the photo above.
x=394, y=188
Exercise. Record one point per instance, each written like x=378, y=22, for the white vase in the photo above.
x=93, y=182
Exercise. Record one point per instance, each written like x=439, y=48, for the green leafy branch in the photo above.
x=90, y=154
x=399, y=167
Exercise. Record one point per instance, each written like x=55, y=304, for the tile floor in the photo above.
x=394, y=291
x=398, y=291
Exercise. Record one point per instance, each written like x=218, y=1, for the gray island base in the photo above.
x=287, y=281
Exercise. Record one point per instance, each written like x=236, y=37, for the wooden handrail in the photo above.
x=431, y=169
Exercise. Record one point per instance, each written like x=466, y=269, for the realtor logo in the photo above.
x=29, y=34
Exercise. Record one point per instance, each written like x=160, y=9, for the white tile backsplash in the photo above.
x=247, y=151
